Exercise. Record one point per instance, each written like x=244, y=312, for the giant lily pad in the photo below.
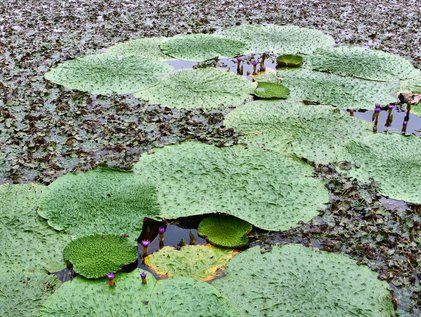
x=201, y=47
x=288, y=60
x=393, y=161
x=26, y=240
x=199, y=88
x=268, y=90
x=99, y=201
x=22, y=293
x=144, y=47
x=200, y=262
x=107, y=73
x=362, y=63
x=178, y=297
x=285, y=39
x=264, y=188
x=342, y=92
x=225, y=231
x=95, y=256
x=318, y=133
x=296, y=281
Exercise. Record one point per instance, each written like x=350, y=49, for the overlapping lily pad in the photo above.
x=202, y=47
x=199, y=88
x=225, y=231
x=285, y=39
x=107, y=73
x=362, y=63
x=264, y=188
x=26, y=240
x=99, y=201
x=201, y=262
x=391, y=160
x=147, y=47
x=178, y=297
x=22, y=293
x=96, y=255
x=296, y=281
x=288, y=60
x=318, y=133
x=342, y=92
x=268, y=90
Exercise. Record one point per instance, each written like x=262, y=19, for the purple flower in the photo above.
x=405, y=123
x=239, y=59
x=391, y=107
x=110, y=276
x=254, y=63
x=145, y=243
x=377, y=106
x=143, y=275
x=377, y=110
x=161, y=230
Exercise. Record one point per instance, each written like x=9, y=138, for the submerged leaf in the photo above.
x=280, y=39
x=293, y=280
x=107, y=73
x=202, y=47
x=264, y=188
x=205, y=88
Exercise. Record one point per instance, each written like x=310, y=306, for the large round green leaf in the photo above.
x=22, y=293
x=108, y=73
x=392, y=160
x=178, y=297
x=264, y=188
x=297, y=281
x=26, y=240
x=95, y=256
x=362, y=63
x=205, y=88
x=318, y=133
x=200, y=262
x=268, y=90
x=144, y=47
x=201, y=47
x=99, y=201
x=225, y=231
x=285, y=39
x=342, y=92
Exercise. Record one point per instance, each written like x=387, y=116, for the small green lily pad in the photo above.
x=267, y=90
x=225, y=231
x=201, y=262
x=95, y=256
x=289, y=60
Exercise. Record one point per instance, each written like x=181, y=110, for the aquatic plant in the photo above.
x=225, y=231
x=99, y=201
x=201, y=262
x=107, y=74
x=97, y=255
x=293, y=280
x=143, y=276
x=361, y=62
x=268, y=90
x=147, y=47
x=110, y=277
x=205, y=88
x=267, y=189
x=280, y=39
x=202, y=47
x=145, y=245
x=288, y=60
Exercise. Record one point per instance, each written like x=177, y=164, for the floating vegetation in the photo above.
x=178, y=296
x=288, y=60
x=225, y=231
x=362, y=63
x=96, y=255
x=99, y=201
x=26, y=241
x=280, y=39
x=107, y=73
x=266, y=189
x=318, y=133
x=331, y=89
x=148, y=47
x=205, y=88
x=202, y=47
x=201, y=262
x=268, y=90
x=293, y=280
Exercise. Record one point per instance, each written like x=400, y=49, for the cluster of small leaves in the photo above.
x=96, y=255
